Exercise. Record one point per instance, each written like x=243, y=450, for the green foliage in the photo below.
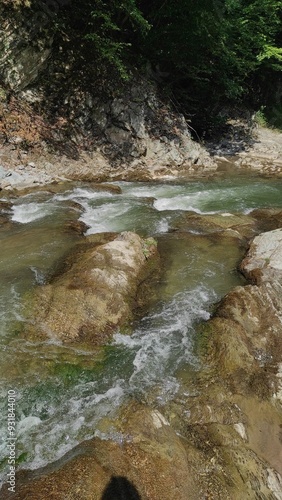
x=273, y=55
x=214, y=51
x=100, y=33
x=274, y=116
x=260, y=118
x=205, y=53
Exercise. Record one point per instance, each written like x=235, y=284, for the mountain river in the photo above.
x=63, y=393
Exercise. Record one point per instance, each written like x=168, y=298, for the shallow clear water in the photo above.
x=64, y=392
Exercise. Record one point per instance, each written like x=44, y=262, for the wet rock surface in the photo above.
x=227, y=224
x=237, y=225
x=5, y=212
x=98, y=291
x=242, y=344
x=147, y=454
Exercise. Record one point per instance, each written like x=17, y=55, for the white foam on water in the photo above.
x=180, y=203
x=113, y=435
x=214, y=200
x=171, y=196
x=162, y=226
x=75, y=420
x=126, y=340
x=82, y=194
x=165, y=339
x=103, y=211
x=247, y=211
x=10, y=309
x=150, y=190
x=112, y=393
x=29, y=212
x=26, y=424
x=104, y=218
x=38, y=275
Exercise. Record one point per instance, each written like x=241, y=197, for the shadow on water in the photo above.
x=119, y=488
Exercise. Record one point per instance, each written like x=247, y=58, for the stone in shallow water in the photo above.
x=238, y=225
x=97, y=292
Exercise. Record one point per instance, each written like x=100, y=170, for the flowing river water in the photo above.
x=63, y=393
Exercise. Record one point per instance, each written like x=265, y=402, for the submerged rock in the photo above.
x=267, y=218
x=5, y=211
x=77, y=226
x=97, y=293
x=107, y=187
x=239, y=226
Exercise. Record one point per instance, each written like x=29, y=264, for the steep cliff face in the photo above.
x=136, y=125
x=25, y=46
x=46, y=107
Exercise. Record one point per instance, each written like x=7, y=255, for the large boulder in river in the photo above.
x=97, y=292
x=244, y=336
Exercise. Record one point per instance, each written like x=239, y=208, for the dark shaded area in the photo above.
x=206, y=58
x=119, y=488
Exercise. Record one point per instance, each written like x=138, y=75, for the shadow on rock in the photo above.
x=119, y=488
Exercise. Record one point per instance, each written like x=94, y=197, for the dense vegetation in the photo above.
x=218, y=52
x=206, y=54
